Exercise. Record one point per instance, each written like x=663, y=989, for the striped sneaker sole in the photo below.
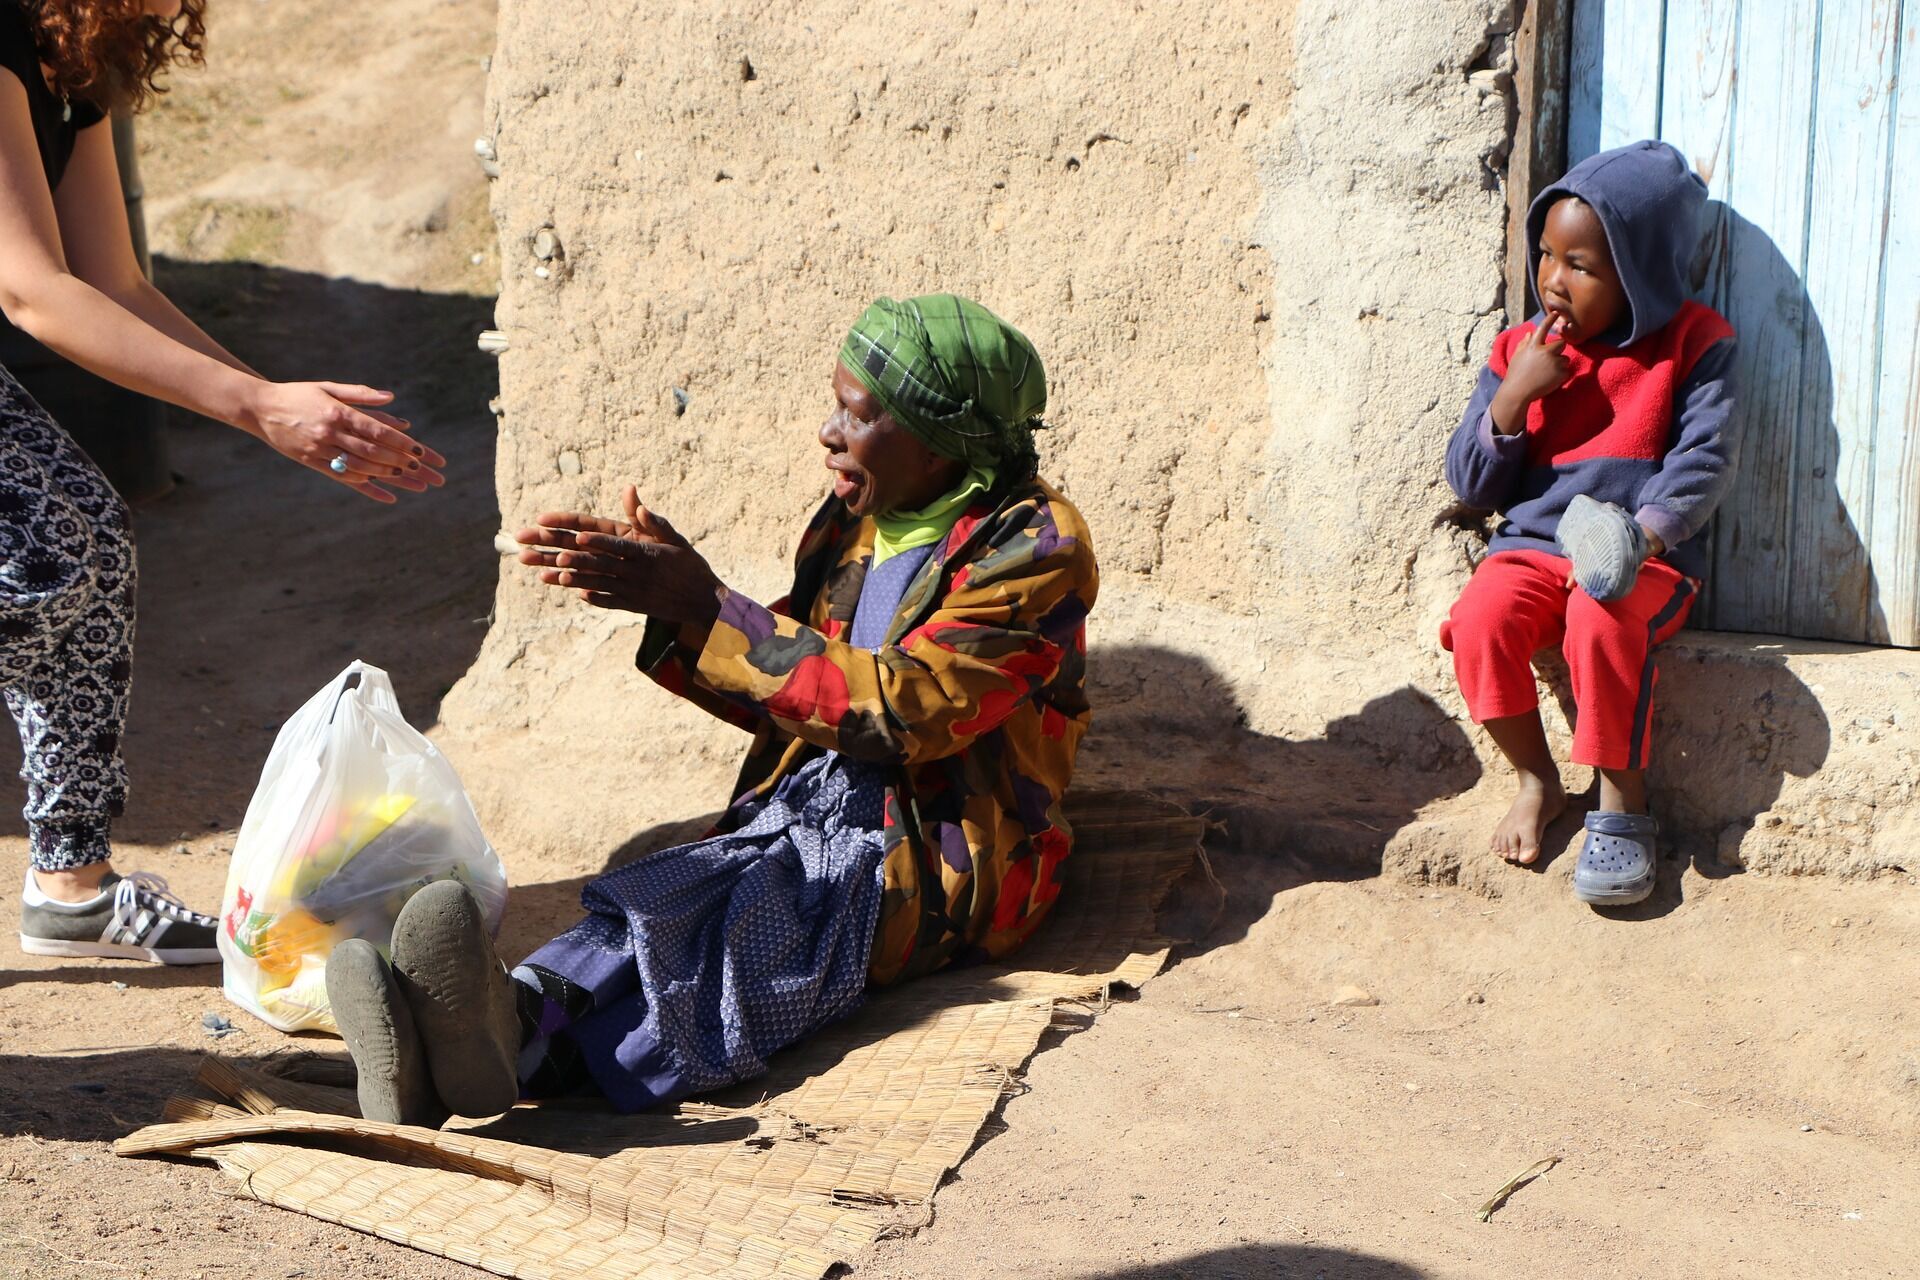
x=118, y=951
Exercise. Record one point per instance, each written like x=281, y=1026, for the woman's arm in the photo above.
x=42, y=293
x=91, y=211
x=999, y=636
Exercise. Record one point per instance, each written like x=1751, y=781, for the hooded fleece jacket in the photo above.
x=1645, y=418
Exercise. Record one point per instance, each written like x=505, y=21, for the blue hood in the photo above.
x=1649, y=201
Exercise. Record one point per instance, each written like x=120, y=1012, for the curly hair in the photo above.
x=111, y=52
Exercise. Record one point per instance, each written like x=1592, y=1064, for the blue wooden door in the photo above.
x=1793, y=112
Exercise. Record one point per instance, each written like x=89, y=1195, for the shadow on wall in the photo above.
x=1267, y=1262
x=261, y=579
x=1289, y=811
x=1787, y=556
x=1731, y=724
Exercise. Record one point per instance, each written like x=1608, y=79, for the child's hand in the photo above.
x=1539, y=367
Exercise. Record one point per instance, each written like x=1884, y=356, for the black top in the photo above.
x=54, y=126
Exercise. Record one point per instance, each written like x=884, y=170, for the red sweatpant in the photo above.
x=1519, y=603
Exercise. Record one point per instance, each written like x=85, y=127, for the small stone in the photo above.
x=679, y=401
x=541, y=273
x=546, y=245
x=506, y=544
x=569, y=463
x=1806, y=1128
x=1353, y=998
x=488, y=159
x=119, y=986
x=1474, y=997
x=477, y=259
x=493, y=342
x=1490, y=81
x=215, y=1025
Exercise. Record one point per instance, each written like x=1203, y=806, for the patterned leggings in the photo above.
x=66, y=631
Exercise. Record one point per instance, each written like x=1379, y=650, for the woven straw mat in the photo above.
x=843, y=1142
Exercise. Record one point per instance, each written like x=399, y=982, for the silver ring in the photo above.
x=339, y=465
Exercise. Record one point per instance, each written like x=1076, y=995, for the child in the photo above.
x=1602, y=432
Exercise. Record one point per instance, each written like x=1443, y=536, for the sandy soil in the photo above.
x=1730, y=1074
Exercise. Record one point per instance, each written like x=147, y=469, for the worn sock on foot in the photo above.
x=462, y=1000
x=394, y=1084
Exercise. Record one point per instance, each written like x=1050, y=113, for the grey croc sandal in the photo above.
x=1616, y=862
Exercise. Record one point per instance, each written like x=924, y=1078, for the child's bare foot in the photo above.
x=1541, y=800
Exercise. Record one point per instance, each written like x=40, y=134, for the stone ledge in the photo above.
x=1791, y=756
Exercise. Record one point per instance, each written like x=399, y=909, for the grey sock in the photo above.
x=1606, y=546
x=462, y=1000
x=394, y=1083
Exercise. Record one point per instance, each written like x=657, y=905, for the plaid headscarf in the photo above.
x=965, y=382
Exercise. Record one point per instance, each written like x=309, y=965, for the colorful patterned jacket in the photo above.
x=977, y=703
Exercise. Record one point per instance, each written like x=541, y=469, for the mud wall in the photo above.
x=1260, y=248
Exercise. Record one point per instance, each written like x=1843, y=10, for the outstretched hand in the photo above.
x=640, y=564
x=315, y=422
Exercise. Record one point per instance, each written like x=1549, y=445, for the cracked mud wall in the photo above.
x=1260, y=248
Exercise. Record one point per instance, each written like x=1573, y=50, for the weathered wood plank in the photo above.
x=1539, y=154
x=1767, y=195
x=1831, y=589
x=1697, y=109
x=1615, y=80
x=1894, y=546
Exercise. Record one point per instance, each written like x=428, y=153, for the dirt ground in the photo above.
x=1729, y=1074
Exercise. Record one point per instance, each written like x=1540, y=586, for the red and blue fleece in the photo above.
x=1645, y=419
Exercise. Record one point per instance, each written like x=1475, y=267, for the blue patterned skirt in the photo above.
x=703, y=959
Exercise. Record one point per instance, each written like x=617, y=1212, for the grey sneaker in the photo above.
x=134, y=917
x=1606, y=545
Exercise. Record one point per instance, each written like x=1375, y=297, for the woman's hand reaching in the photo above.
x=315, y=422
x=640, y=564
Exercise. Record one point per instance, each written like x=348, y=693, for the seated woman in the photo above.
x=916, y=704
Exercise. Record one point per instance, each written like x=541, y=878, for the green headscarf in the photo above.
x=965, y=382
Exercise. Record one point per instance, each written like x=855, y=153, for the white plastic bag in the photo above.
x=354, y=812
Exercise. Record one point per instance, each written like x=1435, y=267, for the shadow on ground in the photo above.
x=95, y=1097
x=1285, y=812
x=1267, y=1262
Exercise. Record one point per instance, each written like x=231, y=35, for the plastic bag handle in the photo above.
x=375, y=686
